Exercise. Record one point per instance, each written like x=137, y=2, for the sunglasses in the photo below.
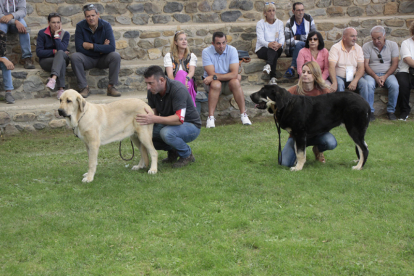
x=380, y=57
x=313, y=39
x=88, y=7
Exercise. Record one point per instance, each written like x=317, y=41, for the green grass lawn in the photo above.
x=235, y=211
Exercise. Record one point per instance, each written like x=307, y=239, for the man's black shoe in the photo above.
x=172, y=157
x=184, y=161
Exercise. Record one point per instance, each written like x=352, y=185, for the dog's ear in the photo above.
x=81, y=102
x=282, y=97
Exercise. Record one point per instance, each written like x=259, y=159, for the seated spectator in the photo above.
x=346, y=66
x=310, y=83
x=270, y=40
x=297, y=29
x=314, y=51
x=180, y=63
x=221, y=67
x=95, y=48
x=12, y=14
x=6, y=67
x=381, y=60
x=51, y=48
x=405, y=75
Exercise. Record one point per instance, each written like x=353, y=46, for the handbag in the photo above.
x=243, y=57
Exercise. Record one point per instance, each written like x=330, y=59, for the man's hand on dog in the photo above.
x=145, y=119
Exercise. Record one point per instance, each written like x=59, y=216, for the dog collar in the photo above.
x=73, y=129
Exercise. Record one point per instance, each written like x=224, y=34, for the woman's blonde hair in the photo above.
x=412, y=28
x=317, y=76
x=268, y=7
x=174, y=48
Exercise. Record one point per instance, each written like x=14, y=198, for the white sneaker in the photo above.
x=272, y=81
x=266, y=68
x=210, y=122
x=245, y=119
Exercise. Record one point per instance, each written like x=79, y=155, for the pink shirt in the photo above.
x=322, y=59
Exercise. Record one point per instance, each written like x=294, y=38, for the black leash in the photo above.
x=120, y=153
x=279, y=152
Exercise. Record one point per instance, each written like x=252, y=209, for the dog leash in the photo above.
x=279, y=152
x=120, y=153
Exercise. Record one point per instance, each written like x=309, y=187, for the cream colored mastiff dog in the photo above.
x=100, y=124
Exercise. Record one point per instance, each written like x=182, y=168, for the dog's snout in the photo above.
x=62, y=112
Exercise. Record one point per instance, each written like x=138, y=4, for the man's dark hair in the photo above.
x=320, y=38
x=296, y=3
x=53, y=14
x=218, y=34
x=90, y=7
x=155, y=71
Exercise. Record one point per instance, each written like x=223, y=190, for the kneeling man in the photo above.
x=176, y=120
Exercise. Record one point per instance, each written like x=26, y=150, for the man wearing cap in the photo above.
x=95, y=48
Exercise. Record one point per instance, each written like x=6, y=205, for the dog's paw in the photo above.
x=152, y=171
x=356, y=168
x=137, y=167
x=85, y=175
x=295, y=169
x=87, y=179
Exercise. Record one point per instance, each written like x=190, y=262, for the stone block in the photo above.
x=370, y=23
x=121, y=44
x=151, y=8
x=343, y=3
x=19, y=75
x=317, y=12
x=131, y=34
x=219, y=5
x=407, y=7
x=75, y=20
x=223, y=103
x=394, y=22
x=182, y=18
x=259, y=6
x=45, y=116
x=136, y=8
x=230, y=16
x=45, y=10
x=24, y=117
x=400, y=33
x=161, y=19
x=109, y=18
x=375, y=9
x=140, y=19
x=33, y=84
x=202, y=32
x=11, y=130
x=353, y=23
x=4, y=118
x=57, y=123
x=69, y=10
x=323, y=3
x=124, y=20
x=195, y=41
x=361, y=2
x=242, y=45
x=325, y=26
x=39, y=126
x=391, y=8
x=145, y=44
x=168, y=33
x=172, y=7
x=335, y=11
x=254, y=16
x=154, y=53
x=159, y=42
x=33, y=21
x=409, y=22
x=247, y=36
x=128, y=53
x=204, y=6
x=191, y=7
x=241, y=5
x=355, y=11
x=253, y=67
x=206, y=18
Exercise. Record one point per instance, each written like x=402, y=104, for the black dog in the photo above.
x=304, y=117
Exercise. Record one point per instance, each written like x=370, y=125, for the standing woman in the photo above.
x=314, y=51
x=310, y=84
x=180, y=63
x=270, y=40
x=405, y=75
x=51, y=48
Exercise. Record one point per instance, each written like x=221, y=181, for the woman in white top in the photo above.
x=180, y=64
x=404, y=77
x=270, y=40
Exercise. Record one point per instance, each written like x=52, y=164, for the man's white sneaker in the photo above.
x=266, y=68
x=272, y=81
x=245, y=119
x=210, y=122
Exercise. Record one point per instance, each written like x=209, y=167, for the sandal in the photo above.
x=318, y=155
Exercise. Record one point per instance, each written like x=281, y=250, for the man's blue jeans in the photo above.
x=391, y=84
x=362, y=88
x=294, y=52
x=23, y=38
x=166, y=137
x=7, y=77
x=324, y=142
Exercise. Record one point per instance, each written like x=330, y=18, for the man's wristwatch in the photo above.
x=214, y=77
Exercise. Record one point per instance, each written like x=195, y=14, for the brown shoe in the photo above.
x=172, y=157
x=111, y=91
x=28, y=63
x=184, y=161
x=85, y=92
x=318, y=155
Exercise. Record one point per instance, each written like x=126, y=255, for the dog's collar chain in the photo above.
x=73, y=129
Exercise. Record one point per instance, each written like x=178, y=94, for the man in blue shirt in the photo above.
x=297, y=29
x=221, y=67
x=95, y=48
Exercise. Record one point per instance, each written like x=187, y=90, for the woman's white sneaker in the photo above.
x=266, y=68
x=245, y=119
x=210, y=122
